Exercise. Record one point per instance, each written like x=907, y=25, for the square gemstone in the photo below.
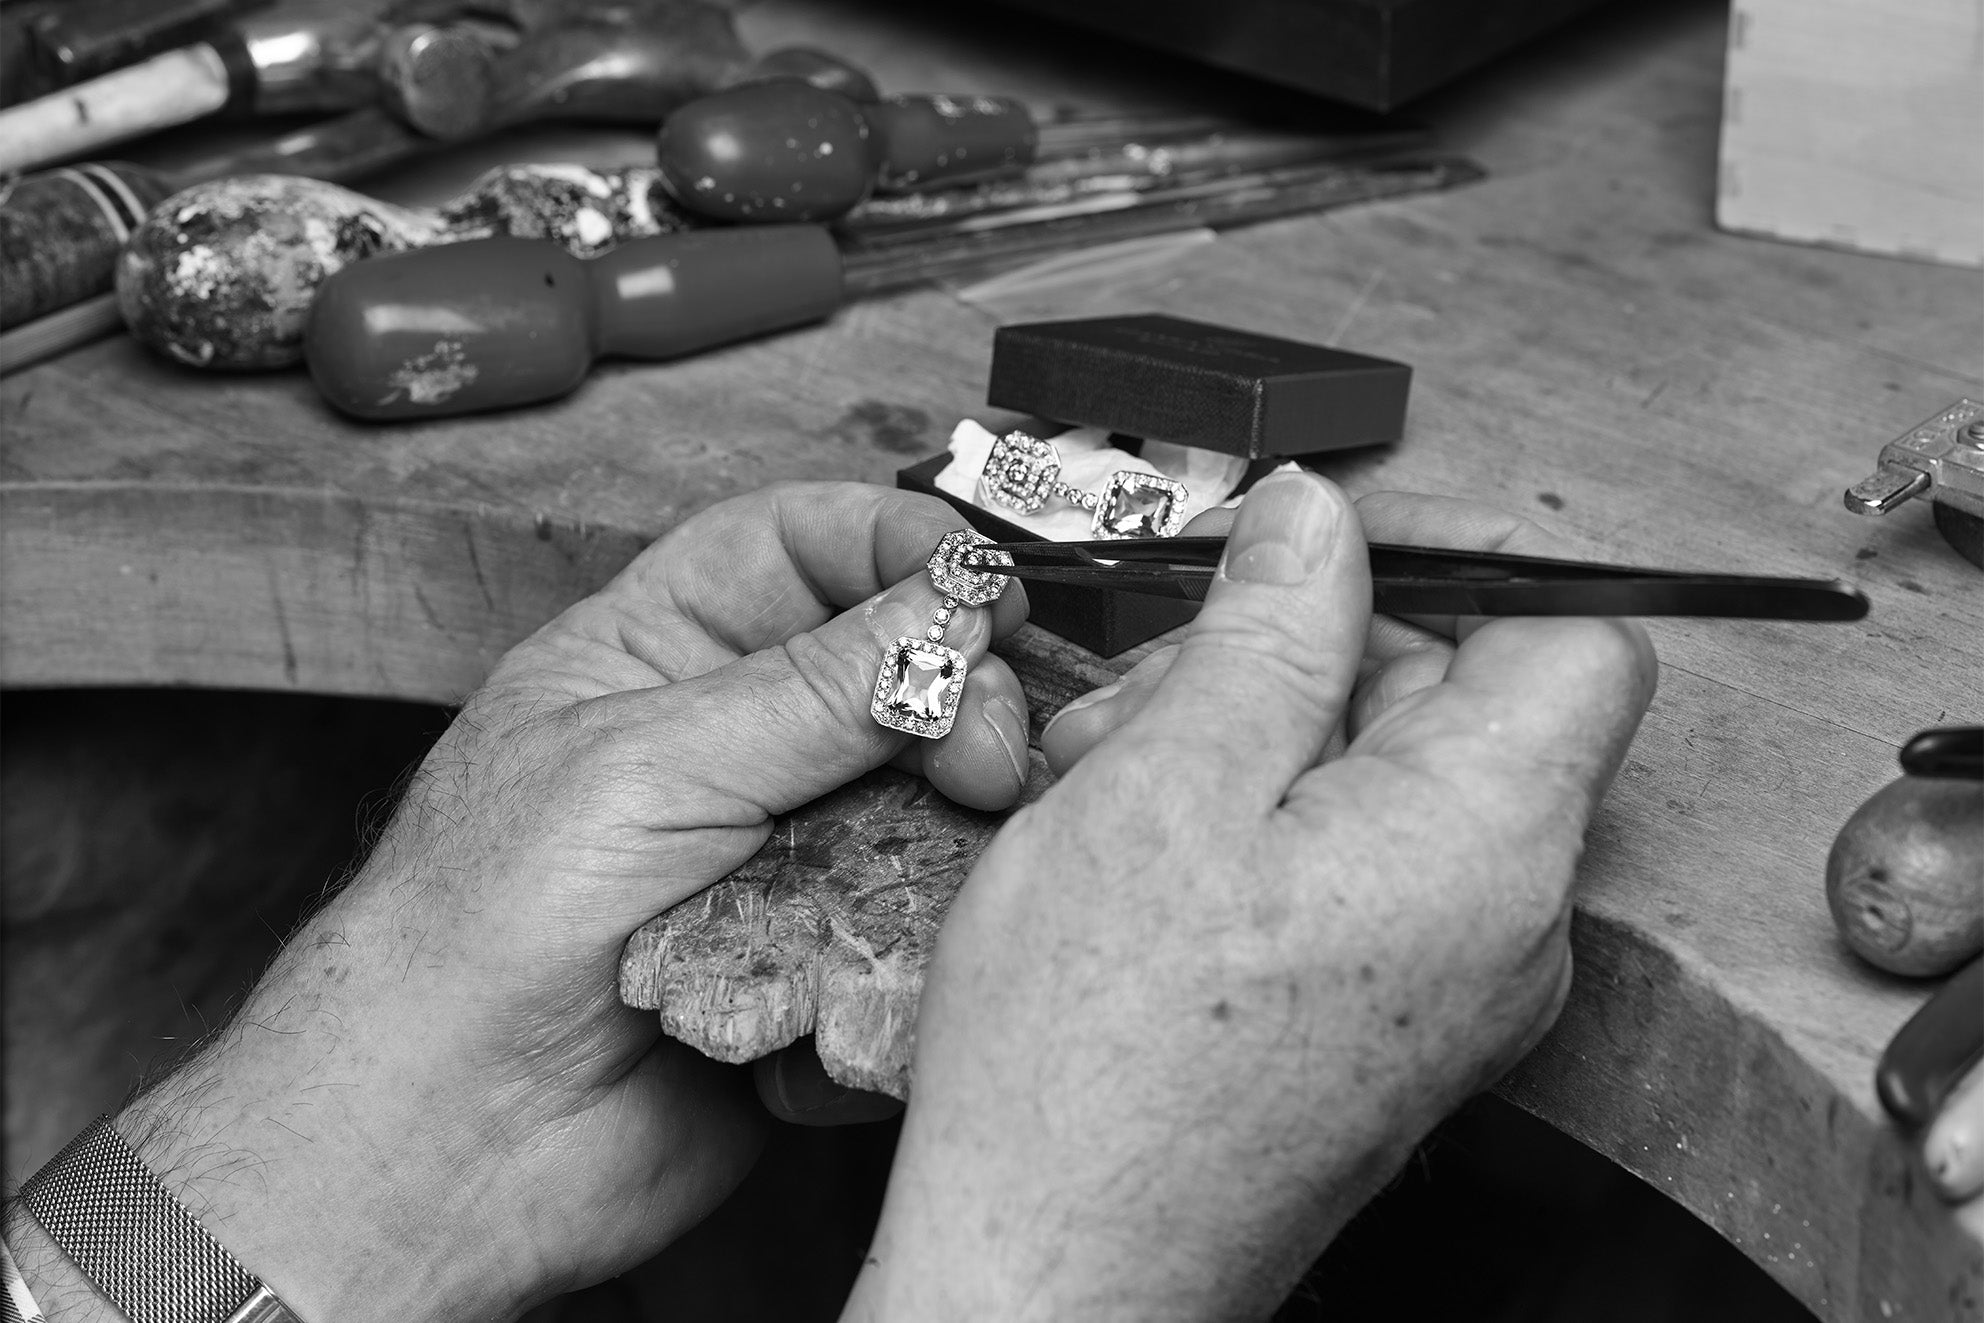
x=919, y=687
x=1021, y=471
x=1139, y=505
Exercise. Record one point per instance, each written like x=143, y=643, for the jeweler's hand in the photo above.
x=1199, y=1001
x=1952, y=1147
x=434, y=1104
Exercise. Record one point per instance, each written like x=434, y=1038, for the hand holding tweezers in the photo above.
x=1428, y=581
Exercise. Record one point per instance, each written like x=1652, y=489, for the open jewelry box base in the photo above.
x=1104, y=622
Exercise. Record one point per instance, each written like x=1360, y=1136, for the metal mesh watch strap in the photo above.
x=148, y=1255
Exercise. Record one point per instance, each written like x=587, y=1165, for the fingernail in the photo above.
x=1009, y=725
x=1090, y=699
x=1953, y=1161
x=1284, y=532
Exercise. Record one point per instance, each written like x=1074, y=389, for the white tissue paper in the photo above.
x=1087, y=460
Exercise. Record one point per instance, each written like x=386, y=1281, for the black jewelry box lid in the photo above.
x=1193, y=383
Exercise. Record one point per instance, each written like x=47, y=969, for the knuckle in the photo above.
x=1302, y=674
x=818, y=682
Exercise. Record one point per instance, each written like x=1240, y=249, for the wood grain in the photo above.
x=1854, y=123
x=1589, y=350
x=827, y=929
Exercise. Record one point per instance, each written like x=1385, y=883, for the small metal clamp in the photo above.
x=1942, y=458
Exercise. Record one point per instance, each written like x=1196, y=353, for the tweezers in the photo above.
x=1426, y=581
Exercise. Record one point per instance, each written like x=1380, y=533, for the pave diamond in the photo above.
x=918, y=688
x=1139, y=505
x=1021, y=471
x=970, y=587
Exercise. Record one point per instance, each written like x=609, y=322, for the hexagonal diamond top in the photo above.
x=970, y=587
x=1021, y=471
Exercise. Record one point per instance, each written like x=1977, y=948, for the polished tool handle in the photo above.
x=81, y=39
x=438, y=79
x=495, y=323
x=176, y=87
x=786, y=150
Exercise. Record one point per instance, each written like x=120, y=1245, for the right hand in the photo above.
x=1195, y=1005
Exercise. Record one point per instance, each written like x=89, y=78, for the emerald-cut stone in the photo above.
x=1139, y=505
x=919, y=687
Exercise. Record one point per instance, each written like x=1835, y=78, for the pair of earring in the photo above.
x=921, y=680
x=1023, y=473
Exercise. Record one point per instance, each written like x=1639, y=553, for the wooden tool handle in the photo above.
x=498, y=323
x=81, y=39
x=930, y=140
x=60, y=232
x=174, y=88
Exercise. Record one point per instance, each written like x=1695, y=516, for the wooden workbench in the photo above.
x=1589, y=351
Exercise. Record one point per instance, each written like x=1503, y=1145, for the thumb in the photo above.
x=1263, y=676
x=788, y=723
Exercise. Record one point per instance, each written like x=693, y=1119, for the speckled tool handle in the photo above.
x=223, y=274
x=61, y=230
x=930, y=140
x=787, y=150
x=501, y=323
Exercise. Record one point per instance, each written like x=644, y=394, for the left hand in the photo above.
x=434, y=1105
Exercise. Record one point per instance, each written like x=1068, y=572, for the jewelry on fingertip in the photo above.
x=921, y=679
x=1023, y=473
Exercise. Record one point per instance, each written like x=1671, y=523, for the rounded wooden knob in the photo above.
x=1905, y=878
x=439, y=79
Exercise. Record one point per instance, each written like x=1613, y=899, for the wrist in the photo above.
x=315, y=1197
x=60, y=1290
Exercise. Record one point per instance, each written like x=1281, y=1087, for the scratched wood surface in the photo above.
x=1589, y=351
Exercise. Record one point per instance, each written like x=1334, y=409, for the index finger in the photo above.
x=753, y=571
x=1453, y=523
x=1526, y=729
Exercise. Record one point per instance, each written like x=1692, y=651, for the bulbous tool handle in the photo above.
x=220, y=275
x=500, y=323
x=927, y=140
x=786, y=150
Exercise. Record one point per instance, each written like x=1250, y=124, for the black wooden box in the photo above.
x=1378, y=54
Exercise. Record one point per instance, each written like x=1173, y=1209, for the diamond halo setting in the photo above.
x=921, y=680
x=1135, y=504
x=1022, y=472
